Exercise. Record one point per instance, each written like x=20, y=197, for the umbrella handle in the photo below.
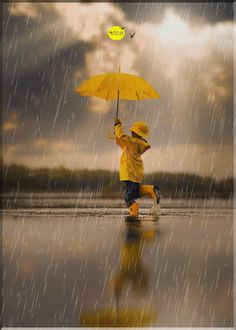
x=117, y=103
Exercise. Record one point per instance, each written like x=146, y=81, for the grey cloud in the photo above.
x=197, y=13
x=48, y=85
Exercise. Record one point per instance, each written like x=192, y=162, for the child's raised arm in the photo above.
x=121, y=137
x=118, y=130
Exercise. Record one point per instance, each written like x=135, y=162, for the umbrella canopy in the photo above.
x=118, y=85
x=107, y=86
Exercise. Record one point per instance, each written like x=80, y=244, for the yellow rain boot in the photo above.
x=153, y=192
x=147, y=190
x=133, y=210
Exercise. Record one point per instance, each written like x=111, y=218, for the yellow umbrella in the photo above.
x=118, y=85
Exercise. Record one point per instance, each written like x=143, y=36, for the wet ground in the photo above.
x=88, y=267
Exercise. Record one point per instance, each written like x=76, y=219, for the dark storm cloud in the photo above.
x=38, y=85
x=47, y=81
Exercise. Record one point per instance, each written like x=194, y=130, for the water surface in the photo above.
x=67, y=268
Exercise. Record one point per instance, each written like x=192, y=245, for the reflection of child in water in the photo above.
x=131, y=266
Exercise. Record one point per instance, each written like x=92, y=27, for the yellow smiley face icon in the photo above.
x=116, y=33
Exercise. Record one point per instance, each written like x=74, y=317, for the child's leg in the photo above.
x=131, y=193
x=147, y=190
x=150, y=190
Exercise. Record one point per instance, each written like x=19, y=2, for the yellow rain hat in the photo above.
x=140, y=128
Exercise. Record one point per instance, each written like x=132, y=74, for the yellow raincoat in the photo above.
x=131, y=164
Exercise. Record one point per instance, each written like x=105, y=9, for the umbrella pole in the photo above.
x=117, y=103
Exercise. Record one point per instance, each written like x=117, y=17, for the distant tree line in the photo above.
x=106, y=183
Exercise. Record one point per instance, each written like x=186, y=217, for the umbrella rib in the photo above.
x=137, y=96
x=107, y=94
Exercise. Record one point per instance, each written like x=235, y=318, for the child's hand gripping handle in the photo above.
x=109, y=134
x=117, y=121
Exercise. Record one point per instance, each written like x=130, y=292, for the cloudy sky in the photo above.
x=183, y=49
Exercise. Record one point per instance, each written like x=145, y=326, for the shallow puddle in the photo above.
x=87, y=270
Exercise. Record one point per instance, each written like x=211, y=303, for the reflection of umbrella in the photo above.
x=110, y=318
x=115, y=86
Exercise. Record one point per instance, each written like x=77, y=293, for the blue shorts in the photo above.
x=132, y=192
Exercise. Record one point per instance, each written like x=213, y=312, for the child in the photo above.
x=131, y=164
